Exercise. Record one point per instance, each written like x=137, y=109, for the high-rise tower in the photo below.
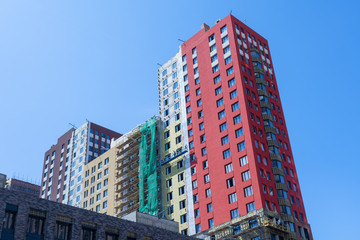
x=220, y=90
x=62, y=176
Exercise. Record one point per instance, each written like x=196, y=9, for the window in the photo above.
x=195, y=198
x=228, y=60
x=218, y=90
x=164, y=72
x=220, y=102
x=167, y=146
x=193, y=50
x=176, y=106
x=197, y=228
x=250, y=207
x=230, y=182
x=203, y=151
x=166, y=134
x=9, y=220
x=169, y=196
x=214, y=58
x=200, y=114
x=232, y=198
x=233, y=94
x=241, y=146
x=186, y=88
x=168, y=170
x=229, y=71
x=177, y=127
x=170, y=210
x=166, y=91
x=181, y=177
x=235, y=106
x=237, y=119
x=208, y=192
x=180, y=164
x=35, y=225
x=231, y=82
x=248, y=191
x=223, y=29
x=212, y=37
x=213, y=47
x=199, y=102
x=182, y=204
x=215, y=68
x=228, y=168
x=194, y=184
x=197, y=81
x=227, y=49
x=221, y=114
x=184, y=58
x=183, y=218
x=226, y=153
x=178, y=139
x=239, y=132
x=223, y=127
x=234, y=213
x=225, y=39
x=201, y=126
x=181, y=190
x=224, y=140
x=195, y=60
x=193, y=170
x=206, y=178
x=211, y=223
x=217, y=79
x=169, y=183
x=205, y=164
x=209, y=207
x=245, y=175
x=63, y=230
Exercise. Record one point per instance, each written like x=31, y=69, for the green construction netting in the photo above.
x=148, y=169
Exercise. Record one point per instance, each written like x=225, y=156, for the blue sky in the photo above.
x=67, y=61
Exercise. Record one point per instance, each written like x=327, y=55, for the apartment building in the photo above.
x=238, y=161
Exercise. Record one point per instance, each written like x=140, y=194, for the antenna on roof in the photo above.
x=230, y=12
x=181, y=40
x=244, y=20
x=159, y=64
x=87, y=120
x=73, y=125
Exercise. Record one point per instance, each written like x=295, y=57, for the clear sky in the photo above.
x=67, y=61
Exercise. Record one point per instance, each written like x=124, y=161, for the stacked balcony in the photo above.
x=271, y=132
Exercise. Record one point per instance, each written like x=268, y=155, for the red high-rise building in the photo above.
x=243, y=174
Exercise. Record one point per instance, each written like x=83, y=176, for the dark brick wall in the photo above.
x=52, y=209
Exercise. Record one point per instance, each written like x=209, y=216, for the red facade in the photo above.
x=207, y=108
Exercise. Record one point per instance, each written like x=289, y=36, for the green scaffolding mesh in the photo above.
x=147, y=169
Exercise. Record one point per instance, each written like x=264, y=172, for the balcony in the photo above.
x=274, y=156
x=269, y=129
x=287, y=217
x=282, y=186
x=255, y=59
x=265, y=104
x=260, y=80
x=259, y=70
x=262, y=92
x=284, y=201
x=267, y=116
x=278, y=171
x=272, y=142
